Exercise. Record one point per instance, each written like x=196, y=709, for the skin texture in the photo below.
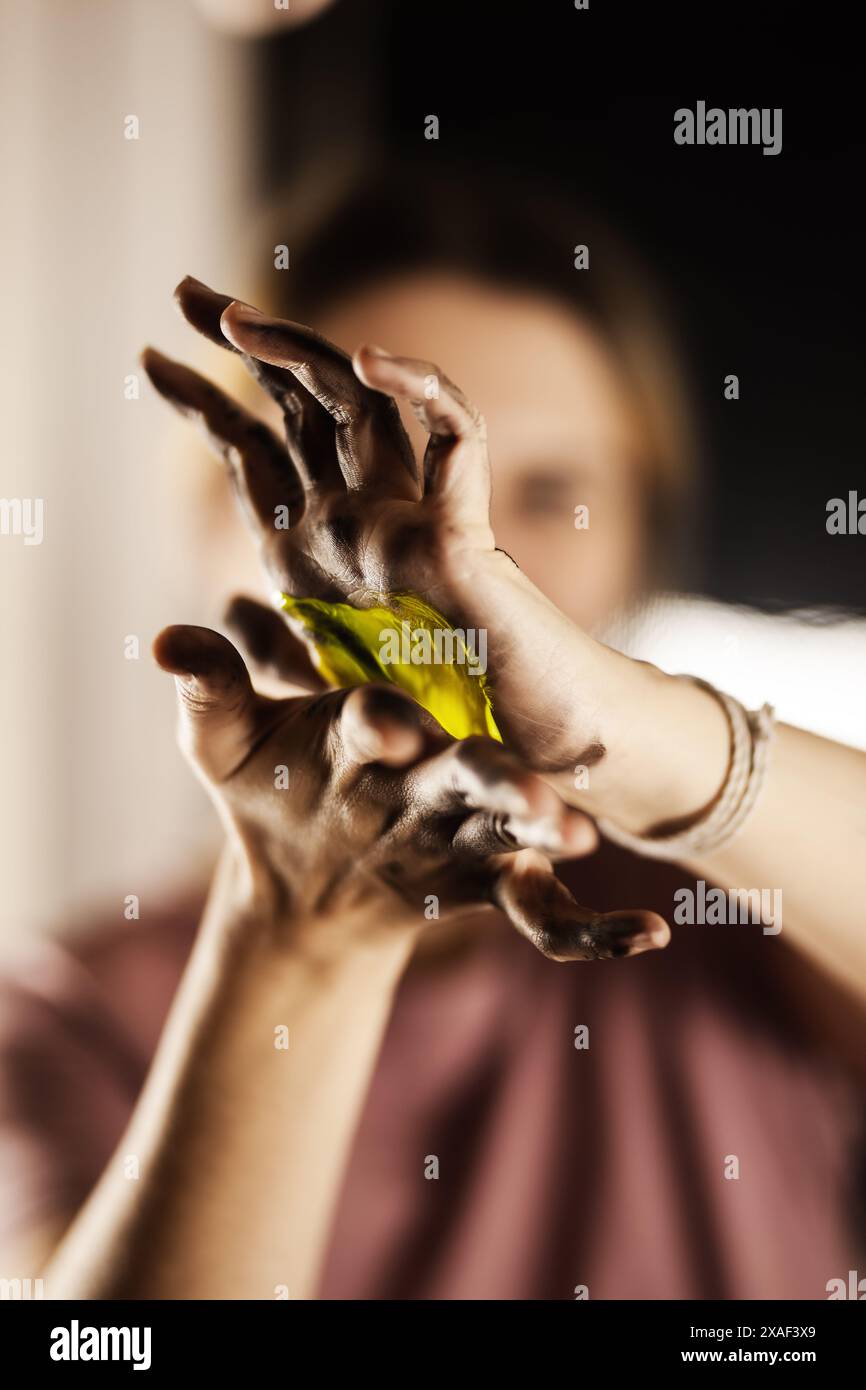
x=366, y=521
x=563, y=429
x=380, y=808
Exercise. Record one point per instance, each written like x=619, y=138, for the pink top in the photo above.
x=557, y=1167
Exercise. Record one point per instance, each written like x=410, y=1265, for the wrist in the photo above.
x=620, y=738
x=666, y=748
x=250, y=918
x=536, y=657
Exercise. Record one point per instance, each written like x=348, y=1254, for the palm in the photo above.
x=357, y=551
x=341, y=515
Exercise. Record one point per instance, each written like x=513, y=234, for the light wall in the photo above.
x=96, y=229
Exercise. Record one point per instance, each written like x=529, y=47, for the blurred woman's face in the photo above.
x=562, y=427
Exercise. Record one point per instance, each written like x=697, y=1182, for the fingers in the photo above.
x=441, y=407
x=217, y=704
x=543, y=910
x=480, y=774
x=568, y=834
x=378, y=724
x=272, y=645
x=309, y=427
x=202, y=307
x=456, y=464
x=258, y=463
x=513, y=807
x=373, y=449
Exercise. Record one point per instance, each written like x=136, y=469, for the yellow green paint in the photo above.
x=347, y=645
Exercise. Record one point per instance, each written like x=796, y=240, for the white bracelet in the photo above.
x=751, y=734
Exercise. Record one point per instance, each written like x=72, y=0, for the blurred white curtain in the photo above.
x=810, y=664
x=96, y=229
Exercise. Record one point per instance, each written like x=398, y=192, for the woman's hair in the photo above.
x=345, y=233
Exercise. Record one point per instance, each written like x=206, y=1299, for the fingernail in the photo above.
x=642, y=943
x=400, y=746
x=151, y=359
x=192, y=282
x=376, y=350
x=579, y=833
x=541, y=833
x=372, y=745
x=634, y=935
x=514, y=802
x=246, y=311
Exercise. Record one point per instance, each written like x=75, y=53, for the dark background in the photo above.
x=760, y=256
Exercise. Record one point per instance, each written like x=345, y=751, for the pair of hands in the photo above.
x=382, y=809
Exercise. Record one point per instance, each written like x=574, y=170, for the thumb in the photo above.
x=216, y=700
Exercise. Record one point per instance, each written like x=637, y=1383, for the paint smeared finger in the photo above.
x=267, y=482
x=379, y=724
x=309, y=428
x=441, y=406
x=477, y=773
x=543, y=910
x=202, y=308
x=272, y=645
x=373, y=448
x=567, y=835
x=216, y=702
x=456, y=463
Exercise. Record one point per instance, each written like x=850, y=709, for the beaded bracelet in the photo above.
x=751, y=734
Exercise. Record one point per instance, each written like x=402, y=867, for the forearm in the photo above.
x=240, y=1142
x=807, y=838
x=666, y=749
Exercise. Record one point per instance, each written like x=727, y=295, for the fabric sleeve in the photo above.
x=68, y=1083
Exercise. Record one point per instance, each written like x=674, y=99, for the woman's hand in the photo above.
x=354, y=807
x=363, y=524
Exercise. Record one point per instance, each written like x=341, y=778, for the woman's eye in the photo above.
x=549, y=494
